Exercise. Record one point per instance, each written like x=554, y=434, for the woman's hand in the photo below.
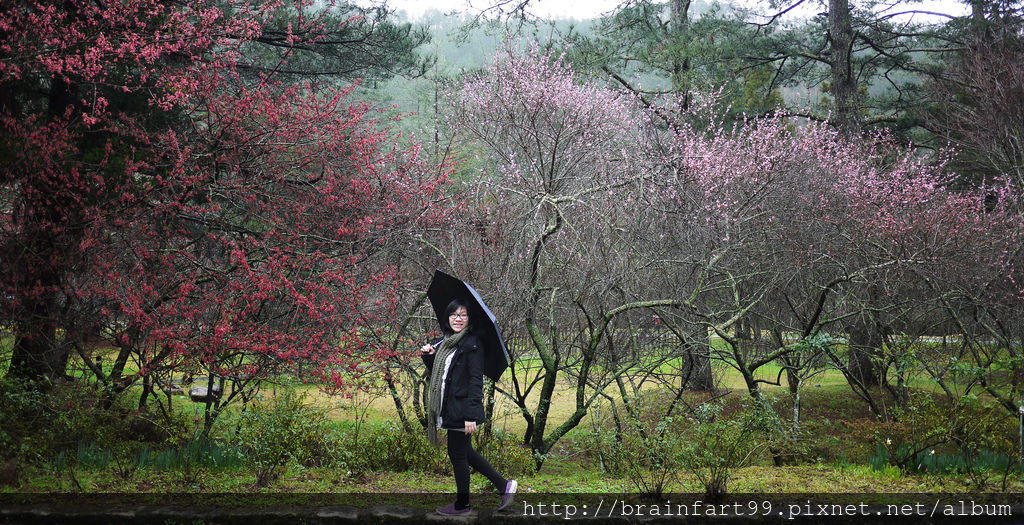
x=470, y=427
x=427, y=349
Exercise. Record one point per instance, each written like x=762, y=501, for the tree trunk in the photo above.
x=212, y=402
x=39, y=265
x=979, y=24
x=399, y=406
x=698, y=359
x=844, y=86
x=37, y=352
x=489, y=410
x=678, y=25
x=865, y=342
x=794, y=391
x=758, y=396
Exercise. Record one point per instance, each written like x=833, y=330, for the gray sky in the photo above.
x=544, y=8
x=580, y=9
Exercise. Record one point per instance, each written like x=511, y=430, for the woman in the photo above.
x=456, y=404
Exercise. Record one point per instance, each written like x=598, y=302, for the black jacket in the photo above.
x=463, y=396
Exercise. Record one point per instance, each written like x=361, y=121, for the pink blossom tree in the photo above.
x=972, y=272
x=561, y=161
x=733, y=224
x=773, y=234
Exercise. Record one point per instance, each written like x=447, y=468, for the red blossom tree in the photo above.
x=195, y=219
x=69, y=153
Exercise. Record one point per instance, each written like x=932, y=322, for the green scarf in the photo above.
x=448, y=346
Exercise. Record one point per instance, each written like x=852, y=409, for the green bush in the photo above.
x=599, y=442
x=287, y=432
x=23, y=415
x=41, y=422
x=934, y=434
x=281, y=432
x=647, y=450
x=189, y=459
x=599, y=446
x=653, y=449
x=91, y=456
x=200, y=452
x=507, y=454
x=715, y=445
x=650, y=453
x=824, y=441
x=385, y=446
x=920, y=425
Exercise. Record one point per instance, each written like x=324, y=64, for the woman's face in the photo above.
x=458, y=319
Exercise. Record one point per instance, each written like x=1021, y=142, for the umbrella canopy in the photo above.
x=443, y=290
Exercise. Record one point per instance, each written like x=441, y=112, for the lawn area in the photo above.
x=360, y=448
x=561, y=475
x=820, y=394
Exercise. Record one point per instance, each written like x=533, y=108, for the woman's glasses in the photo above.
x=459, y=316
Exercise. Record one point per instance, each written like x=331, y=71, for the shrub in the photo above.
x=932, y=433
x=647, y=449
x=93, y=456
x=715, y=445
x=599, y=445
x=22, y=412
x=385, y=447
x=280, y=432
x=922, y=424
x=41, y=423
x=201, y=452
x=650, y=453
x=824, y=441
x=507, y=454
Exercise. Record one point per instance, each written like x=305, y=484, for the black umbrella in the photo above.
x=443, y=290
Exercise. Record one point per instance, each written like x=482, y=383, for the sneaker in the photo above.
x=450, y=510
x=509, y=495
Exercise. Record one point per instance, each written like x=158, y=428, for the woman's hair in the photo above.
x=449, y=310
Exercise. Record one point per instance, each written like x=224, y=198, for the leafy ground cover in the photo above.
x=370, y=453
x=559, y=477
x=298, y=440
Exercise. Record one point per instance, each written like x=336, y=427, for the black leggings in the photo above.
x=462, y=455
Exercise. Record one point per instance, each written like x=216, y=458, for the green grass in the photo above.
x=841, y=469
x=835, y=459
x=565, y=477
